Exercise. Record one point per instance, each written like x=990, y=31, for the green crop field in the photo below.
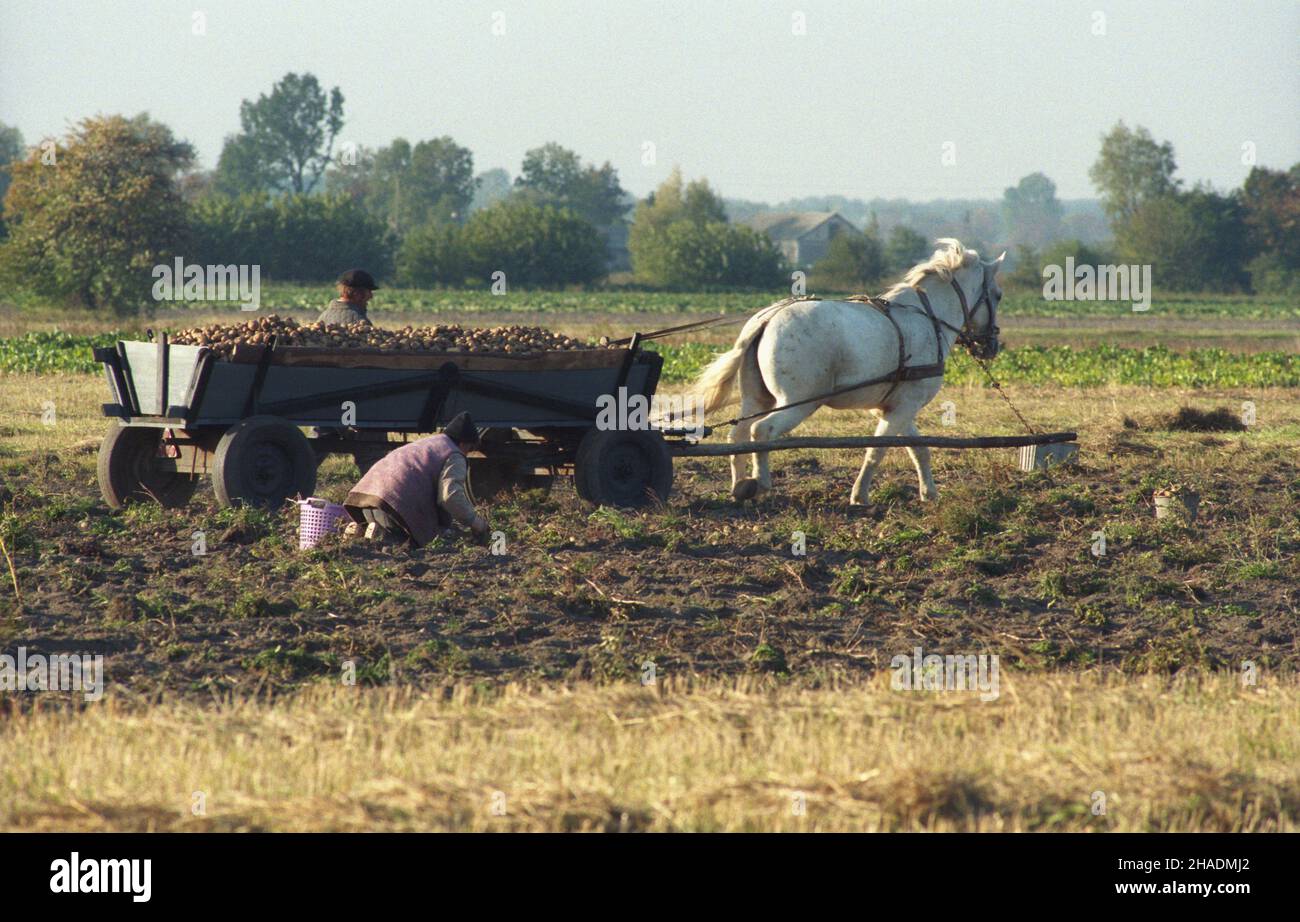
x=48, y=352
x=288, y=297
x=1026, y=304
x=1155, y=366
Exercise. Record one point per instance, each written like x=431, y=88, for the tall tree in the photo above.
x=11, y=149
x=1131, y=169
x=852, y=261
x=241, y=168
x=491, y=187
x=1194, y=241
x=555, y=175
x=904, y=248
x=680, y=238
x=91, y=226
x=286, y=137
x=392, y=164
x=534, y=245
x=677, y=200
x=441, y=181
x=407, y=186
x=1031, y=211
x=1271, y=199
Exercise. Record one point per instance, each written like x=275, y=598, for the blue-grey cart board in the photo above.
x=257, y=423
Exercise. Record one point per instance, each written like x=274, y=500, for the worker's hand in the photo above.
x=480, y=529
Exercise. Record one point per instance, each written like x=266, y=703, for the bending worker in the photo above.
x=356, y=287
x=415, y=491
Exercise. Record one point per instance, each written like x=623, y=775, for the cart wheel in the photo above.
x=263, y=461
x=623, y=468
x=486, y=477
x=127, y=472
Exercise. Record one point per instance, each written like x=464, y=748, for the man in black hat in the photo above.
x=416, y=491
x=356, y=286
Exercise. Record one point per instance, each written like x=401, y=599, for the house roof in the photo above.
x=791, y=225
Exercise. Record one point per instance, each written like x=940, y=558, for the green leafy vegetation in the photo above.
x=45, y=352
x=1154, y=366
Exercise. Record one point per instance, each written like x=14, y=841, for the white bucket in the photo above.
x=1041, y=457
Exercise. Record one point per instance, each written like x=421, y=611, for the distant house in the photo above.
x=803, y=236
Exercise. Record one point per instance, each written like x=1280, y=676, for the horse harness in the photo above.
x=904, y=372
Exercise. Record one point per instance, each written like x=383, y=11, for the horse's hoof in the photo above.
x=744, y=490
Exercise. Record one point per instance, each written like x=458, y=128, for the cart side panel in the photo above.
x=223, y=399
x=142, y=367
x=582, y=386
x=225, y=396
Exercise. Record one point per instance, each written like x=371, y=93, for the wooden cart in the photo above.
x=259, y=422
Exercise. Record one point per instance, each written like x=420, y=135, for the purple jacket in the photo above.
x=406, y=481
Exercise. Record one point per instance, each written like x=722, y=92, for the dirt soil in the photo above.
x=1005, y=563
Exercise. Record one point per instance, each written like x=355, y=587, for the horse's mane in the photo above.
x=950, y=257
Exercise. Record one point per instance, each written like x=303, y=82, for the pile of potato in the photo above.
x=515, y=340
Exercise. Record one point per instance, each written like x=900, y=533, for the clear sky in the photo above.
x=862, y=104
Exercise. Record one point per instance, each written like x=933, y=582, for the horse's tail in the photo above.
x=716, y=383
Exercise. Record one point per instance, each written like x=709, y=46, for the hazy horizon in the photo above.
x=862, y=105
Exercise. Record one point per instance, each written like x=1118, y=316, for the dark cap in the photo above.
x=461, y=429
x=358, y=278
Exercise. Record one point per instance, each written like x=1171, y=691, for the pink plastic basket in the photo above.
x=317, y=518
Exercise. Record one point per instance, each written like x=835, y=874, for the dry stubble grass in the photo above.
x=1199, y=753
x=978, y=411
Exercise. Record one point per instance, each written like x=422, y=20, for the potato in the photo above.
x=510, y=339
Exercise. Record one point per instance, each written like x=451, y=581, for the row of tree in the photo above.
x=515, y=240
x=1195, y=238
x=680, y=238
x=1198, y=238
x=89, y=215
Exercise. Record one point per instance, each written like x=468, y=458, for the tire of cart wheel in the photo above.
x=263, y=461
x=487, y=477
x=127, y=473
x=623, y=468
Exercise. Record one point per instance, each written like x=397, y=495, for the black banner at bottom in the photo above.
x=336, y=871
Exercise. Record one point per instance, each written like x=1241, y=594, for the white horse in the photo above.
x=800, y=354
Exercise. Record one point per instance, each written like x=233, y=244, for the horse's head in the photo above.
x=980, y=326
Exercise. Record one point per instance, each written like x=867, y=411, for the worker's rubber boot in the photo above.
x=381, y=535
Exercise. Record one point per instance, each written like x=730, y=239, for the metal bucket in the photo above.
x=1179, y=506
